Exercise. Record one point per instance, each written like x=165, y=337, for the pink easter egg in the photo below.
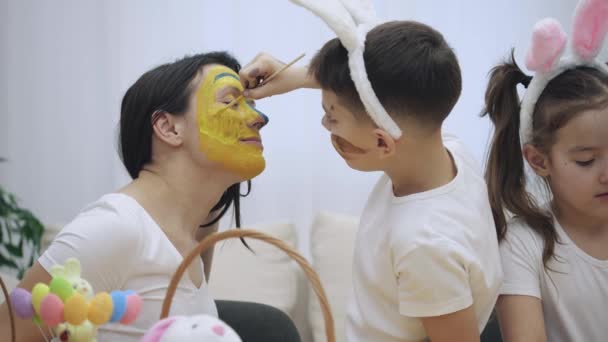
x=51, y=310
x=134, y=303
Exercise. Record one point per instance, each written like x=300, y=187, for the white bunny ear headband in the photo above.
x=351, y=20
x=548, y=44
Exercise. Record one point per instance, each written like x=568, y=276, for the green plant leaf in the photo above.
x=16, y=251
x=4, y=261
x=17, y=223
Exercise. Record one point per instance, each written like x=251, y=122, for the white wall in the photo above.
x=66, y=63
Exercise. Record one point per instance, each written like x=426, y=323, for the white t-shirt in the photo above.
x=574, y=295
x=424, y=255
x=120, y=247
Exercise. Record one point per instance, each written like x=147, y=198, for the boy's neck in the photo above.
x=421, y=166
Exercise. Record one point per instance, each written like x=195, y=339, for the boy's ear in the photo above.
x=385, y=143
x=538, y=161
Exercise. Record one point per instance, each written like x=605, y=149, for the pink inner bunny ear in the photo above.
x=590, y=27
x=158, y=330
x=548, y=44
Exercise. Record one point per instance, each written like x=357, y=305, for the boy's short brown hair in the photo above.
x=412, y=69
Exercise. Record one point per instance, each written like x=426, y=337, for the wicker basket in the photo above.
x=11, y=315
x=212, y=239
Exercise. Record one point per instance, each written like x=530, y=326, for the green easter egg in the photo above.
x=62, y=288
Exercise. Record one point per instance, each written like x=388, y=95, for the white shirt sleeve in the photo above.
x=521, y=255
x=104, y=243
x=432, y=279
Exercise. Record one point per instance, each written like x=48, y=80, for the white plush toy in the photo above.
x=201, y=328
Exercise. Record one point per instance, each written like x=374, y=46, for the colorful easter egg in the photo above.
x=100, y=308
x=39, y=291
x=76, y=309
x=61, y=287
x=21, y=300
x=51, y=310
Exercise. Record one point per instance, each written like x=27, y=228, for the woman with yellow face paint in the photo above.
x=187, y=152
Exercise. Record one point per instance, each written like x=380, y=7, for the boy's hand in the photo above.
x=264, y=65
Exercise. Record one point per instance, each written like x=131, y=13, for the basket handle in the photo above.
x=212, y=239
x=7, y=299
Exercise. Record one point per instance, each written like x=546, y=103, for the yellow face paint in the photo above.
x=229, y=136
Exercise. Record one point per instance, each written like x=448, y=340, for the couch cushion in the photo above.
x=332, y=243
x=269, y=276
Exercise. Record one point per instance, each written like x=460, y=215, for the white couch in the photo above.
x=270, y=277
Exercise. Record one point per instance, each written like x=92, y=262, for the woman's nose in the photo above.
x=259, y=122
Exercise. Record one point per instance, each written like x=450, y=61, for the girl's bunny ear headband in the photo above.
x=548, y=44
x=351, y=20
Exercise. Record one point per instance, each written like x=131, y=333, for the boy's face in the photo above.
x=356, y=139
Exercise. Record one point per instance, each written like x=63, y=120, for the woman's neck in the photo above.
x=178, y=201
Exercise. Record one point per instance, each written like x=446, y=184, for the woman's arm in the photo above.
x=521, y=319
x=25, y=328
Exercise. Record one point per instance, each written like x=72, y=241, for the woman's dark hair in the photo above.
x=167, y=88
x=566, y=96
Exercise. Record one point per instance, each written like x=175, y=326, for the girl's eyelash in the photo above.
x=585, y=163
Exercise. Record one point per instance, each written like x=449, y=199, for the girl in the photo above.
x=187, y=153
x=555, y=255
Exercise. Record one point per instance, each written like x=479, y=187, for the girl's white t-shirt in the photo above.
x=120, y=247
x=574, y=292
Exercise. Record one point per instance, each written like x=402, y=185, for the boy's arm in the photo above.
x=460, y=326
x=521, y=319
x=264, y=65
x=433, y=285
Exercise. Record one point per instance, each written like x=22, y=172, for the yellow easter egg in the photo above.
x=76, y=309
x=100, y=308
x=39, y=291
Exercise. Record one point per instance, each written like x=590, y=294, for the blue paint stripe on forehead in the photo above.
x=226, y=74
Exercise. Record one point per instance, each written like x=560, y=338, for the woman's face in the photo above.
x=229, y=136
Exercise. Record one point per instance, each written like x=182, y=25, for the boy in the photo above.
x=426, y=262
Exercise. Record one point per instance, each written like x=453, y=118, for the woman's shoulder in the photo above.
x=110, y=212
x=105, y=237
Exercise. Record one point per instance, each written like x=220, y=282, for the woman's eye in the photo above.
x=229, y=101
x=585, y=163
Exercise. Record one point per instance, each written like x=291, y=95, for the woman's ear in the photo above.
x=538, y=160
x=168, y=128
x=385, y=143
